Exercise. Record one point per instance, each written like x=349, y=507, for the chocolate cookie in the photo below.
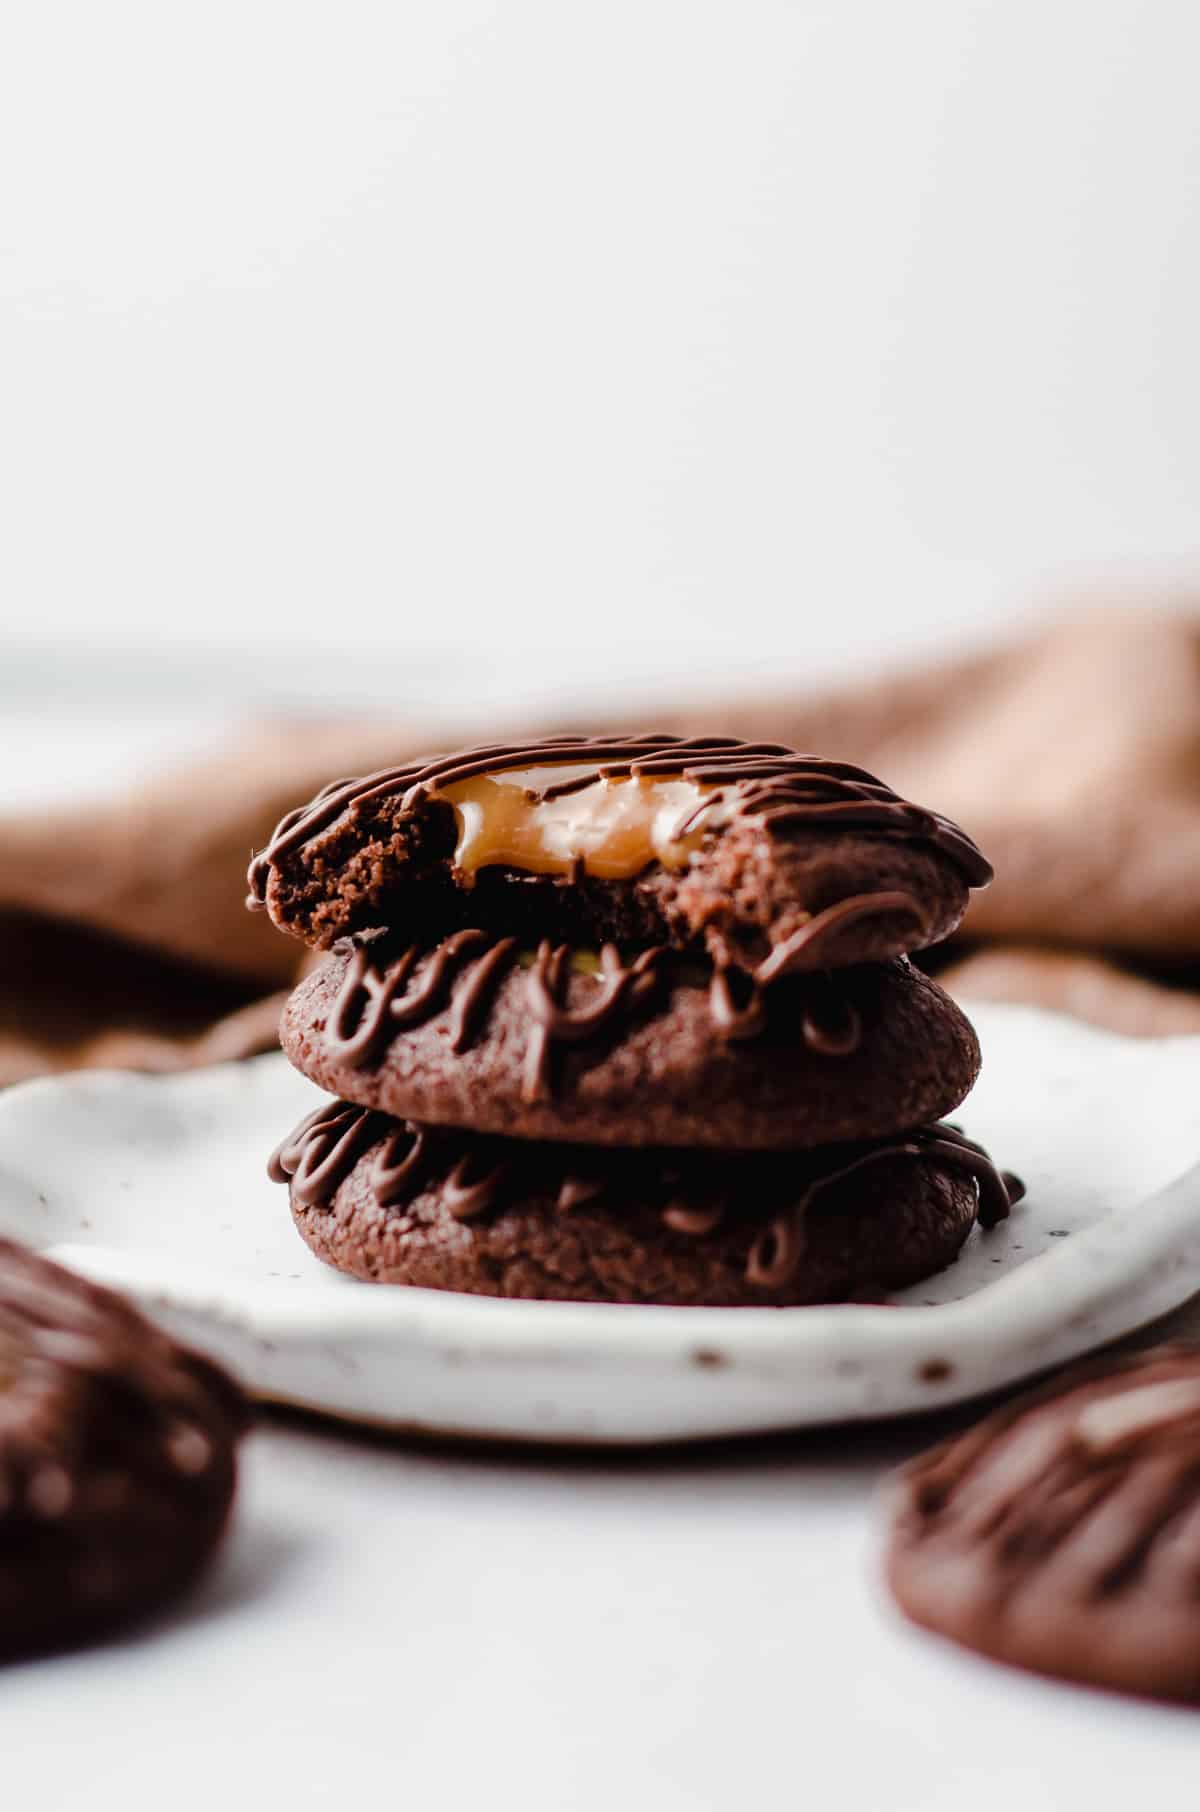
x=397, y=1203
x=1063, y=1533
x=644, y=1052
x=746, y=852
x=116, y=1458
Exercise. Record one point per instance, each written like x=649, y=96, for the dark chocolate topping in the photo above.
x=459, y=976
x=575, y=1191
x=736, y=1005
x=474, y=1185
x=473, y=1174
x=780, y=1249
x=833, y=919
x=321, y=1151
x=830, y=1027
x=622, y=991
x=767, y=780
x=372, y=1006
x=405, y=1158
x=681, y=1217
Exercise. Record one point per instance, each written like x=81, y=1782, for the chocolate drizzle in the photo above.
x=465, y=1195
x=831, y=1027
x=323, y=1150
x=779, y=1250
x=619, y=993
x=824, y=925
x=829, y=1024
x=576, y=1191
x=789, y=791
x=733, y=1019
x=320, y=1154
x=372, y=1006
x=403, y=1161
x=463, y=973
x=472, y=1175
x=475, y=993
x=682, y=1217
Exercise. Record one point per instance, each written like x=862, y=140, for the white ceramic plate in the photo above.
x=157, y=1185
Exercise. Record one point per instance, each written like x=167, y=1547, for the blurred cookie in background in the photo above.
x=1062, y=1533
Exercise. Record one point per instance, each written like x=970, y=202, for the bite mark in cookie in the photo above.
x=747, y=852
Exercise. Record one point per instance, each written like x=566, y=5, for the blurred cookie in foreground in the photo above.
x=117, y=1458
x=397, y=1203
x=1062, y=1534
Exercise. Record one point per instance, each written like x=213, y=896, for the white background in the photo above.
x=652, y=334
x=506, y=348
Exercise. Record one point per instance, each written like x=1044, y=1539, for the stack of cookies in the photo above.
x=628, y=1019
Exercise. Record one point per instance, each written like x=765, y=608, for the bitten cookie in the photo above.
x=646, y=1052
x=117, y=1458
x=396, y=1203
x=1062, y=1534
x=747, y=853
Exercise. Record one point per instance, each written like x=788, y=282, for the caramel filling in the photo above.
x=545, y=819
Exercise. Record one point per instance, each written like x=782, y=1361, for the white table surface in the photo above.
x=455, y=1628
x=450, y=1629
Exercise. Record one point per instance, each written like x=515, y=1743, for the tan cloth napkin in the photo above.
x=1072, y=756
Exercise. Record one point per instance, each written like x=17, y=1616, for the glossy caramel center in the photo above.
x=544, y=819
